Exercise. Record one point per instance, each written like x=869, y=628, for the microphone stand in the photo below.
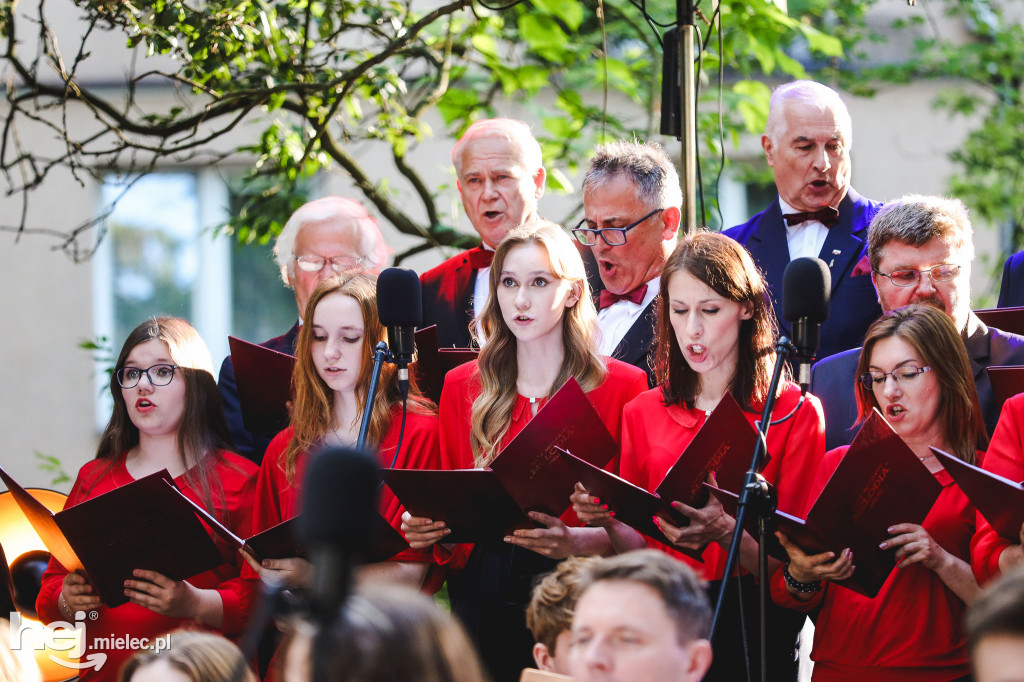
x=381, y=354
x=757, y=495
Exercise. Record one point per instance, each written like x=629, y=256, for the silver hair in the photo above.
x=646, y=164
x=916, y=219
x=506, y=128
x=350, y=215
x=812, y=94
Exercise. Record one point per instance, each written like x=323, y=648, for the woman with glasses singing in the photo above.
x=167, y=415
x=915, y=371
x=716, y=334
x=541, y=329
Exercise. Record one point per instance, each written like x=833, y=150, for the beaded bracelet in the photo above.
x=806, y=588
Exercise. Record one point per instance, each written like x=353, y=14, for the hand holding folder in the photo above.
x=528, y=474
x=879, y=483
x=723, y=446
x=142, y=525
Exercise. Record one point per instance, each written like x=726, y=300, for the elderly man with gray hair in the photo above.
x=807, y=143
x=322, y=238
x=920, y=250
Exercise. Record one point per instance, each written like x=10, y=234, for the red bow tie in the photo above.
x=480, y=258
x=607, y=298
x=827, y=216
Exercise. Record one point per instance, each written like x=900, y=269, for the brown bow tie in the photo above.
x=827, y=216
x=607, y=298
x=480, y=258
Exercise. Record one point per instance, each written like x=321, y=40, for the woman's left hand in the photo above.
x=708, y=524
x=160, y=594
x=554, y=541
x=914, y=545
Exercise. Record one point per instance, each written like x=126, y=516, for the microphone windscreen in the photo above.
x=399, y=298
x=339, y=499
x=806, y=287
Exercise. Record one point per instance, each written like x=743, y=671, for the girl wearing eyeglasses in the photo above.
x=167, y=415
x=914, y=370
x=716, y=333
x=540, y=326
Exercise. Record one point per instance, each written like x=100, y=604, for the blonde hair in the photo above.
x=200, y=656
x=499, y=368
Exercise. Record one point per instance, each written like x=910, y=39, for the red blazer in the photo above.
x=447, y=300
x=462, y=386
x=236, y=476
x=913, y=629
x=653, y=436
x=1005, y=456
x=277, y=499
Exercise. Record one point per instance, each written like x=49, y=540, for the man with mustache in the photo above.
x=920, y=250
x=807, y=142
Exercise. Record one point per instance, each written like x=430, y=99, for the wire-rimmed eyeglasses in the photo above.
x=612, y=236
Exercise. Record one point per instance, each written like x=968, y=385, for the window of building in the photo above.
x=160, y=256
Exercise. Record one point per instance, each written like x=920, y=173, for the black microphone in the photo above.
x=400, y=309
x=339, y=500
x=806, y=287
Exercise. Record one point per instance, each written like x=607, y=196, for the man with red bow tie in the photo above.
x=501, y=177
x=807, y=143
x=632, y=205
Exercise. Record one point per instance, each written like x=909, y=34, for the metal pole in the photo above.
x=687, y=113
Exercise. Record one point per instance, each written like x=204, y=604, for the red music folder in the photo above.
x=998, y=499
x=279, y=542
x=528, y=474
x=1006, y=382
x=433, y=363
x=1005, y=319
x=880, y=482
x=264, y=379
x=144, y=524
x=724, y=446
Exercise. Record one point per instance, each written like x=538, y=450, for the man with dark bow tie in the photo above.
x=807, y=143
x=632, y=206
x=501, y=177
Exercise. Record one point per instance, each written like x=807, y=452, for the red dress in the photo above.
x=490, y=593
x=236, y=477
x=277, y=499
x=653, y=436
x=913, y=629
x=1005, y=456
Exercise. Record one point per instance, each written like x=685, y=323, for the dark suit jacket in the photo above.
x=833, y=379
x=1011, y=291
x=246, y=443
x=448, y=300
x=639, y=345
x=854, y=304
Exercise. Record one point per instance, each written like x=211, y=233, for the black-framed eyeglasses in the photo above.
x=158, y=375
x=612, y=236
x=908, y=278
x=338, y=263
x=901, y=375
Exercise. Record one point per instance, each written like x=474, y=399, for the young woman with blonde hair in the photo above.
x=541, y=329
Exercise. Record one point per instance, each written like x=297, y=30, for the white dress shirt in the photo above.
x=617, y=319
x=805, y=239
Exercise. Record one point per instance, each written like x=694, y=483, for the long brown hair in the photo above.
x=933, y=336
x=202, y=431
x=726, y=267
x=313, y=409
x=499, y=367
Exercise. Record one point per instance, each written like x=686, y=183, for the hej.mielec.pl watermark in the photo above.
x=70, y=640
